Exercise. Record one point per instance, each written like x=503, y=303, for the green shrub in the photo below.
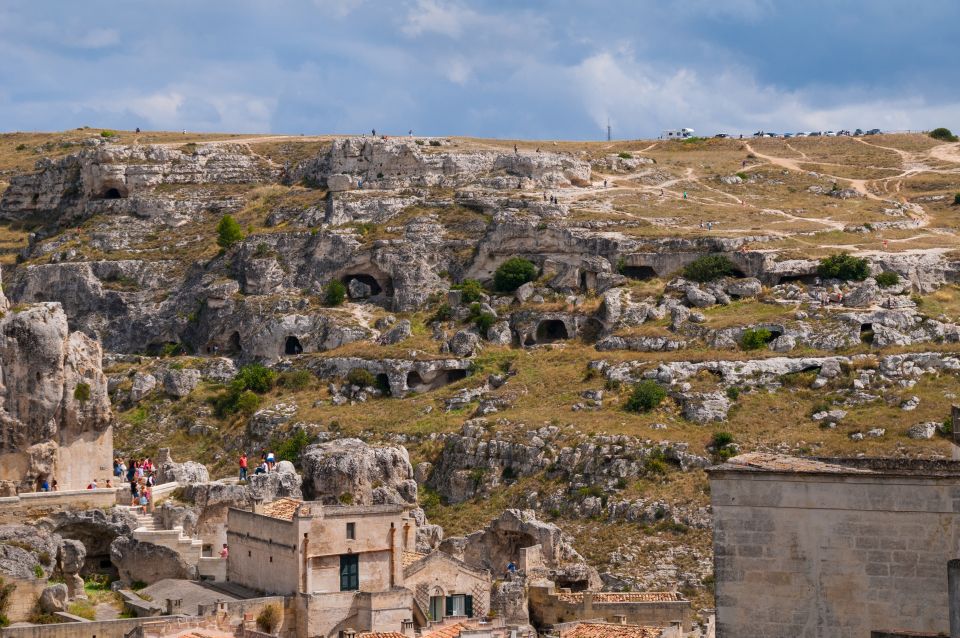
x=247, y=402
x=844, y=266
x=646, y=396
x=444, y=313
x=38, y=571
x=21, y=147
x=721, y=439
x=956, y=199
x=513, y=273
x=82, y=392
x=888, y=278
x=470, y=290
x=484, y=321
x=228, y=231
x=290, y=447
x=107, y=134
x=733, y=393
x=295, y=380
x=346, y=498
x=943, y=134
x=624, y=155
x=82, y=608
x=256, y=377
x=361, y=377
x=334, y=293
x=269, y=618
x=708, y=268
x=754, y=339
x=590, y=490
x=743, y=176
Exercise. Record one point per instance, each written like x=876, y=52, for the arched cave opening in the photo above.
x=414, y=381
x=113, y=193
x=640, y=273
x=866, y=333
x=550, y=330
x=234, y=343
x=383, y=384
x=292, y=346
x=362, y=286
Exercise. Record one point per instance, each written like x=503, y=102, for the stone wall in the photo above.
x=263, y=553
x=832, y=555
x=99, y=629
x=14, y=509
x=325, y=615
x=23, y=599
x=547, y=607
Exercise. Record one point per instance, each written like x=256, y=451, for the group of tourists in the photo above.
x=268, y=463
x=141, y=475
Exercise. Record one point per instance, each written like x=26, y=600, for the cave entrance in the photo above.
x=415, y=382
x=455, y=375
x=798, y=279
x=292, y=346
x=640, y=273
x=591, y=330
x=383, y=384
x=550, y=330
x=529, y=341
x=362, y=286
x=234, y=343
x=112, y=193
x=866, y=333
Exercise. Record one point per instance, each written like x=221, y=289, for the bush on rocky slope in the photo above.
x=943, y=134
x=335, y=293
x=228, y=231
x=708, y=268
x=513, y=273
x=646, y=396
x=844, y=266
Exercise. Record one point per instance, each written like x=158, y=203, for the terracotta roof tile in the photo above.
x=446, y=631
x=409, y=558
x=283, y=508
x=610, y=630
x=623, y=597
x=381, y=634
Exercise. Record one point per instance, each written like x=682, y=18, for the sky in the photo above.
x=538, y=69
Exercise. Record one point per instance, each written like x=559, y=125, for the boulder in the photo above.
x=923, y=431
x=356, y=289
x=396, y=334
x=350, y=471
x=146, y=562
x=863, y=296
x=749, y=287
x=499, y=334
x=273, y=485
x=910, y=404
x=705, y=407
x=53, y=598
x=525, y=292
x=143, y=384
x=286, y=467
x=783, y=343
x=464, y=343
x=190, y=472
x=699, y=298
x=72, y=555
x=180, y=383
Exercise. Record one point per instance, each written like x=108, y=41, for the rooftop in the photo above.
x=762, y=462
x=623, y=597
x=610, y=630
x=283, y=508
x=446, y=631
x=381, y=634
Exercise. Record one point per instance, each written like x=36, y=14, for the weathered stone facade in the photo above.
x=832, y=548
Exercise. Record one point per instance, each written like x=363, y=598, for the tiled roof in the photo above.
x=446, y=631
x=623, y=597
x=409, y=558
x=283, y=508
x=381, y=634
x=610, y=630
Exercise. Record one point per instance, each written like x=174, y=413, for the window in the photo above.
x=351, y=531
x=460, y=605
x=436, y=608
x=349, y=572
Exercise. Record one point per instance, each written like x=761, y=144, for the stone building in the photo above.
x=833, y=547
x=443, y=586
x=549, y=607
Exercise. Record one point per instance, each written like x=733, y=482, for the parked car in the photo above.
x=722, y=135
x=843, y=132
x=829, y=134
x=787, y=136
x=873, y=131
x=801, y=134
x=814, y=134
x=859, y=131
x=771, y=134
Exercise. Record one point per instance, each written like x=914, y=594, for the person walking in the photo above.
x=224, y=553
x=243, y=466
x=271, y=461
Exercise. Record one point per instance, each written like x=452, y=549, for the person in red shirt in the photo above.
x=243, y=468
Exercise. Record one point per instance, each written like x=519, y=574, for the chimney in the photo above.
x=407, y=628
x=620, y=619
x=348, y=633
x=953, y=591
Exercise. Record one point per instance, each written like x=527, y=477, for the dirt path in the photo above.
x=946, y=153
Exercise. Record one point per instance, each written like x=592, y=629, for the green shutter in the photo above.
x=469, y=606
x=349, y=572
x=449, y=606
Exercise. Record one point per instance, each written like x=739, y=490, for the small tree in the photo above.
x=844, y=266
x=646, y=396
x=887, y=279
x=228, y=231
x=361, y=377
x=513, y=273
x=82, y=392
x=943, y=134
x=256, y=377
x=247, y=402
x=334, y=293
x=754, y=339
x=708, y=268
x=269, y=618
x=470, y=290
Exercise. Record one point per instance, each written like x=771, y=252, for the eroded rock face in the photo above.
x=54, y=409
x=184, y=473
x=146, y=562
x=350, y=471
x=501, y=540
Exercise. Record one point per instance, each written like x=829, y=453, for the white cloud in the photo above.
x=338, y=8
x=434, y=16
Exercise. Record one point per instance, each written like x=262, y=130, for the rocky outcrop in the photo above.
x=402, y=376
x=348, y=471
x=501, y=540
x=184, y=473
x=147, y=562
x=54, y=407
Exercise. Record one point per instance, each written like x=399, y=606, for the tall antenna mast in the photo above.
x=608, y=129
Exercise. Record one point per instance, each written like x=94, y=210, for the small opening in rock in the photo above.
x=415, y=381
x=383, y=384
x=361, y=286
x=639, y=273
x=292, y=346
x=235, y=346
x=551, y=330
x=866, y=332
x=456, y=375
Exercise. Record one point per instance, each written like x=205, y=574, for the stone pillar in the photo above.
x=953, y=592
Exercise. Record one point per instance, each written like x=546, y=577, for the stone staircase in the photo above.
x=148, y=530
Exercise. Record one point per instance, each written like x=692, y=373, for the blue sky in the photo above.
x=493, y=68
